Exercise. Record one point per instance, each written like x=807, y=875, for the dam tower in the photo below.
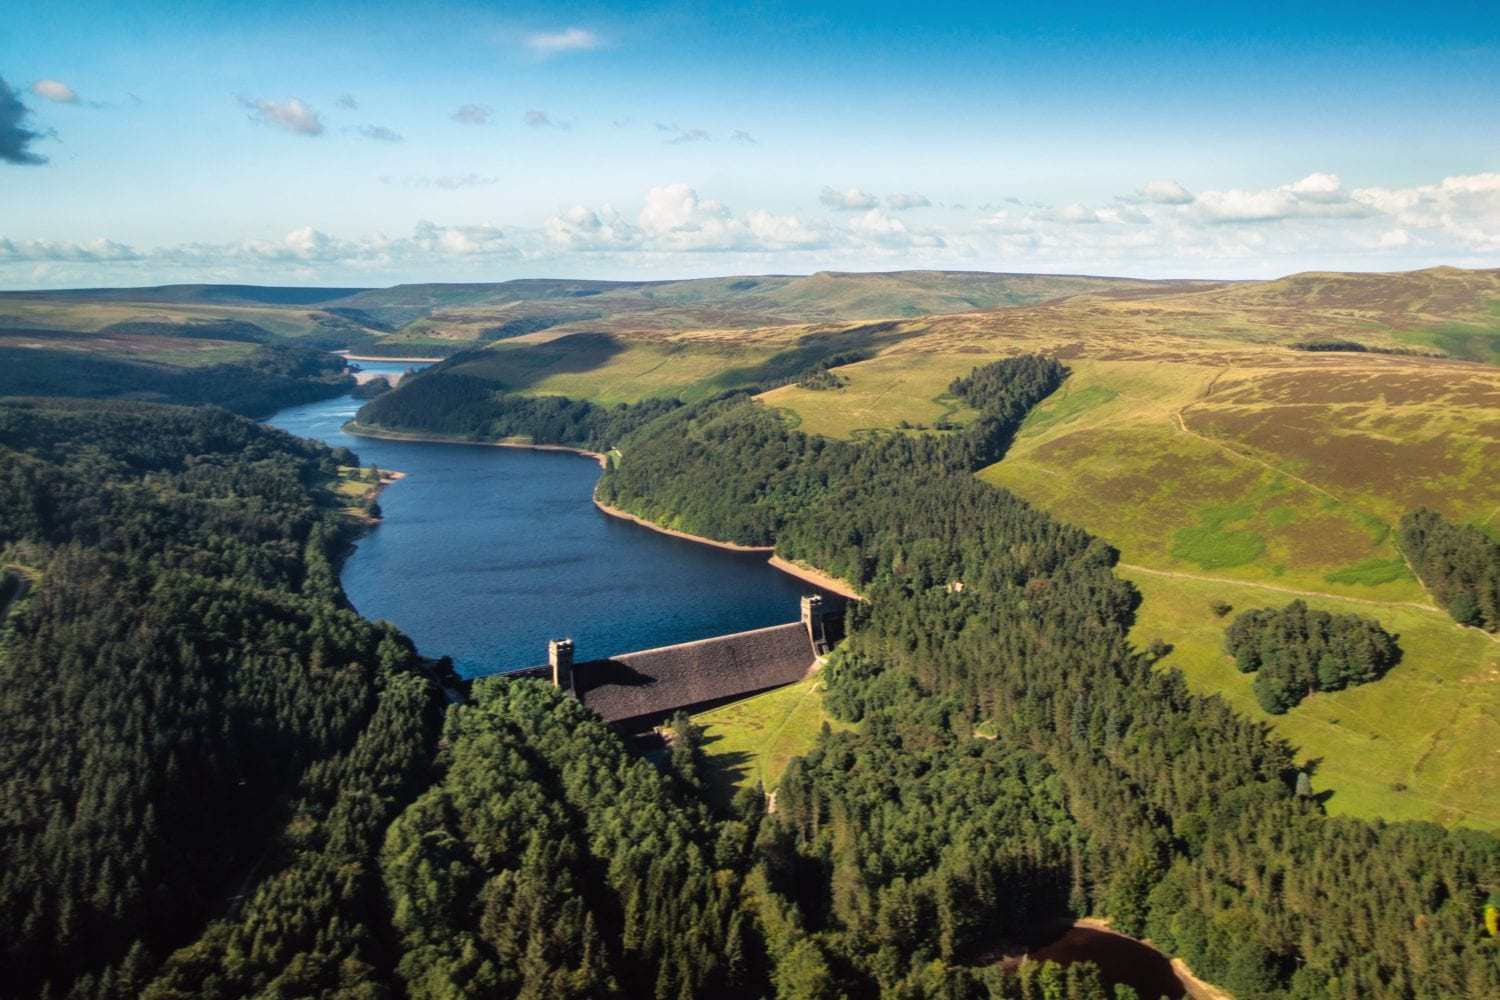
x=560, y=659
x=812, y=620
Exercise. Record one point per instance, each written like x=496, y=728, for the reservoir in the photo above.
x=486, y=553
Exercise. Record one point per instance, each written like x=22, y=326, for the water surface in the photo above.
x=486, y=553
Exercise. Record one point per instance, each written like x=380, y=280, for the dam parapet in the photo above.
x=635, y=691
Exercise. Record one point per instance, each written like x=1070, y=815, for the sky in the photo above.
x=325, y=143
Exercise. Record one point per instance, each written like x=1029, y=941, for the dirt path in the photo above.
x=1414, y=605
x=1178, y=575
x=1214, y=443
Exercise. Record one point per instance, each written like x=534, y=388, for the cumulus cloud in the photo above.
x=675, y=229
x=674, y=218
x=849, y=200
x=1323, y=188
x=474, y=114
x=540, y=119
x=1077, y=214
x=884, y=230
x=1315, y=196
x=742, y=137
x=306, y=245
x=15, y=138
x=347, y=102
x=550, y=43
x=380, y=133
x=1465, y=208
x=1166, y=192
x=904, y=202
x=96, y=251
x=292, y=114
x=585, y=229
x=55, y=90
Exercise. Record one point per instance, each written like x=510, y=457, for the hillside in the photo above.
x=445, y=317
x=1192, y=436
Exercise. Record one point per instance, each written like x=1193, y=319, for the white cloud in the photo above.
x=347, y=102
x=291, y=114
x=551, y=43
x=849, y=200
x=742, y=137
x=1319, y=187
x=904, y=202
x=99, y=250
x=55, y=90
x=1166, y=192
x=884, y=230
x=1076, y=214
x=473, y=114
x=1465, y=208
x=1311, y=222
x=584, y=229
x=1316, y=196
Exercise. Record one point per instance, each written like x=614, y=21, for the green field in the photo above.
x=750, y=742
x=880, y=393
x=1423, y=742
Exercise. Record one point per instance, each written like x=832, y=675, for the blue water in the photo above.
x=486, y=553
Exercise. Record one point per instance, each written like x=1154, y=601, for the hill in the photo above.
x=447, y=317
x=1193, y=436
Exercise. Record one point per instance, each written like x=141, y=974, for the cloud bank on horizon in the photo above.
x=675, y=230
x=681, y=144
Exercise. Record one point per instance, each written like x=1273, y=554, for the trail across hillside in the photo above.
x=1204, y=578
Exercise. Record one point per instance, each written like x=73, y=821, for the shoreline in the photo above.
x=807, y=574
x=381, y=434
x=816, y=577
x=701, y=540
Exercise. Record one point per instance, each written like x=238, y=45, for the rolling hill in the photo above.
x=1224, y=463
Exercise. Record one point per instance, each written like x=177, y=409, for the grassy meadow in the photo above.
x=749, y=743
x=1255, y=474
x=880, y=393
x=1423, y=742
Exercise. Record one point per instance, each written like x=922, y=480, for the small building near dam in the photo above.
x=635, y=691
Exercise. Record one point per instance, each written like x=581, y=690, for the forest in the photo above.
x=272, y=377
x=221, y=782
x=1183, y=819
x=439, y=401
x=190, y=706
x=1458, y=564
x=1294, y=651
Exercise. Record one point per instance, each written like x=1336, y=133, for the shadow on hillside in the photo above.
x=858, y=344
x=524, y=365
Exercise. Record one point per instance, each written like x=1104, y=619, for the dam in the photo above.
x=636, y=691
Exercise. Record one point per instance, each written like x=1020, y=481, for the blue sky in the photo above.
x=364, y=143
